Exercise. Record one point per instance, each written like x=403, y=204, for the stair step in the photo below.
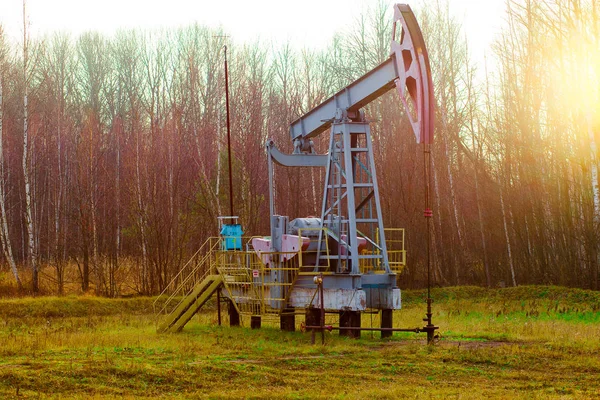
x=190, y=305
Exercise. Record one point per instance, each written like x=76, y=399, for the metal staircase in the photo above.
x=185, y=283
x=176, y=320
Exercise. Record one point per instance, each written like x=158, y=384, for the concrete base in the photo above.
x=234, y=316
x=334, y=299
x=383, y=298
x=255, y=321
x=350, y=319
x=287, y=320
x=387, y=322
x=358, y=299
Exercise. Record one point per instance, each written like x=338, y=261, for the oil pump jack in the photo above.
x=339, y=262
x=351, y=223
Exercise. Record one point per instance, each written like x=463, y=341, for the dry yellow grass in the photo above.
x=495, y=344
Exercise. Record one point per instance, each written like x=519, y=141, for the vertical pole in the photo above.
x=352, y=252
x=228, y=135
x=387, y=322
x=344, y=322
x=322, y=309
x=255, y=322
x=234, y=316
x=271, y=188
x=311, y=318
x=219, y=306
x=430, y=328
x=287, y=320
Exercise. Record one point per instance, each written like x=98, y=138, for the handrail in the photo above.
x=211, y=243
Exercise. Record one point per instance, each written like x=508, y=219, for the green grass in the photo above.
x=526, y=342
x=72, y=306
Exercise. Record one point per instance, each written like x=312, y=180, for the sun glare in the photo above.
x=575, y=78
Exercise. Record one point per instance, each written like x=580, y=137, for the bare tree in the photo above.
x=29, y=221
x=4, y=234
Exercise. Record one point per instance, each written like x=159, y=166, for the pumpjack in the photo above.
x=340, y=262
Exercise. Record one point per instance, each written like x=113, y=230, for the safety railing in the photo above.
x=276, y=279
x=199, y=266
x=258, y=283
x=396, y=252
x=236, y=268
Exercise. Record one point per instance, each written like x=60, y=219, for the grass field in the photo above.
x=526, y=342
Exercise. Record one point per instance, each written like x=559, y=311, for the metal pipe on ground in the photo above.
x=340, y=328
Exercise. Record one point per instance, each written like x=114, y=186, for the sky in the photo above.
x=305, y=23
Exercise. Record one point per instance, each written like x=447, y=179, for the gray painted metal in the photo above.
x=304, y=223
x=348, y=281
x=356, y=95
x=279, y=224
x=350, y=197
x=296, y=160
x=344, y=281
x=339, y=213
x=278, y=229
x=271, y=188
x=378, y=280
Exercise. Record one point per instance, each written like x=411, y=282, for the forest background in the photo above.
x=113, y=157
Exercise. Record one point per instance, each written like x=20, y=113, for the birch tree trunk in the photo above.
x=4, y=235
x=26, y=166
